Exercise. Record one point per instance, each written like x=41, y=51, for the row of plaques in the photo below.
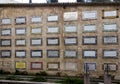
x=68, y=16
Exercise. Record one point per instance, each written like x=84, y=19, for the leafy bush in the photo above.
x=4, y=72
x=12, y=78
x=39, y=79
x=69, y=80
x=17, y=72
x=1, y=71
x=42, y=73
x=80, y=75
x=58, y=74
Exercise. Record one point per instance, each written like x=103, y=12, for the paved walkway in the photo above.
x=103, y=83
x=23, y=82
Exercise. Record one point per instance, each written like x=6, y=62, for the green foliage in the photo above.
x=1, y=71
x=12, y=78
x=58, y=74
x=69, y=80
x=39, y=79
x=17, y=72
x=42, y=73
x=4, y=72
x=80, y=75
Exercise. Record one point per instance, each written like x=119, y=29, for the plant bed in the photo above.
x=42, y=73
x=69, y=80
x=12, y=77
x=4, y=72
x=39, y=79
x=17, y=72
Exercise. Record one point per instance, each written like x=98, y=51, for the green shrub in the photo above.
x=24, y=73
x=1, y=71
x=42, y=73
x=69, y=80
x=12, y=78
x=4, y=72
x=17, y=72
x=80, y=75
x=58, y=74
x=39, y=79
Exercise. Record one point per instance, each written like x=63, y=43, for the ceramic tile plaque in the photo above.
x=5, y=42
x=6, y=32
x=70, y=66
x=36, y=53
x=52, y=41
x=6, y=21
x=89, y=28
x=70, y=41
x=53, y=66
x=36, y=30
x=36, y=65
x=20, y=65
x=110, y=39
x=70, y=16
x=5, y=53
x=90, y=66
x=52, y=18
x=89, y=53
x=36, y=19
x=20, y=42
x=89, y=15
x=89, y=40
x=110, y=27
x=36, y=41
x=20, y=31
x=70, y=53
x=110, y=66
x=110, y=13
x=110, y=53
x=52, y=53
x=20, y=53
x=20, y=20
x=70, y=28
x=52, y=30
